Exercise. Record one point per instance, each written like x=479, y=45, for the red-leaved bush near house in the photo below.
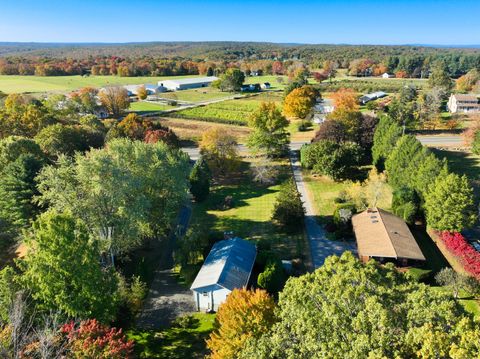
x=459, y=246
x=90, y=339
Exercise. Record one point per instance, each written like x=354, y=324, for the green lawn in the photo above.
x=17, y=84
x=323, y=191
x=230, y=111
x=463, y=163
x=250, y=215
x=145, y=107
x=173, y=342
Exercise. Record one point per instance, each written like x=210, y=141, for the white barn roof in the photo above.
x=190, y=80
x=228, y=264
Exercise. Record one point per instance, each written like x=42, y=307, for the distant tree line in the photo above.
x=190, y=58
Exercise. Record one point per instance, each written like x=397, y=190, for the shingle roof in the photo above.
x=382, y=234
x=465, y=97
x=228, y=264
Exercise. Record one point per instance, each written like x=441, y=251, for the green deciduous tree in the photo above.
x=123, y=192
x=269, y=135
x=231, y=80
x=449, y=205
x=346, y=309
x=337, y=160
x=59, y=139
x=62, y=269
x=200, y=180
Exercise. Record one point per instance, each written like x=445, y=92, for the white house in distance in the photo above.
x=322, y=109
x=463, y=103
x=386, y=75
x=227, y=266
x=185, y=84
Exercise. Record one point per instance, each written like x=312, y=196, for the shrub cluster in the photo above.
x=458, y=245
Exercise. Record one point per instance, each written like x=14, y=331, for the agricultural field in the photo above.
x=197, y=95
x=142, y=107
x=36, y=84
x=192, y=130
x=230, y=111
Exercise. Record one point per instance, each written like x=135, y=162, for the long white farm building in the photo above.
x=185, y=84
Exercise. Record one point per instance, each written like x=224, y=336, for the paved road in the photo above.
x=167, y=299
x=194, y=151
x=441, y=140
x=320, y=246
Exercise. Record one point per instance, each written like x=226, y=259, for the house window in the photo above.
x=205, y=294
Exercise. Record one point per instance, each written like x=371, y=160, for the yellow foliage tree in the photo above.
x=299, y=102
x=245, y=314
x=142, y=93
x=219, y=149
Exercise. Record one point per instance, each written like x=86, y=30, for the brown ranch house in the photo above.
x=386, y=238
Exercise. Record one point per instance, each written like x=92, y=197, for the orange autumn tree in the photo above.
x=347, y=110
x=245, y=314
x=299, y=102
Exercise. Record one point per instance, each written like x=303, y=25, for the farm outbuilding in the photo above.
x=227, y=266
x=385, y=237
x=189, y=83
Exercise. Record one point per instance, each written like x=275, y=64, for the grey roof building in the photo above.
x=228, y=266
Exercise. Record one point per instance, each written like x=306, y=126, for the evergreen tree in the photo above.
x=450, y=204
x=17, y=189
x=288, y=209
x=407, y=155
x=439, y=76
x=386, y=136
x=200, y=180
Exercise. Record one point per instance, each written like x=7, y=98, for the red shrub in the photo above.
x=90, y=339
x=469, y=257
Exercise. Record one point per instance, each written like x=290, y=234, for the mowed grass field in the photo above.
x=35, y=84
x=231, y=111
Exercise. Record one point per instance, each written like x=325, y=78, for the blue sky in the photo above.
x=347, y=21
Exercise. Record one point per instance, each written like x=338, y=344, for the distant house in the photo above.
x=250, y=88
x=265, y=85
x=371, y=97
x=463, y=103
x=386, y=75
x=385, y=237
x=321, y=109
x=185, y=84
x=227, y=266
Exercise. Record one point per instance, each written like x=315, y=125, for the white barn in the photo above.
x=185, y=84
x=227, y=266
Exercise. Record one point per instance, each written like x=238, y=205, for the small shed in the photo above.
x=228, y=266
